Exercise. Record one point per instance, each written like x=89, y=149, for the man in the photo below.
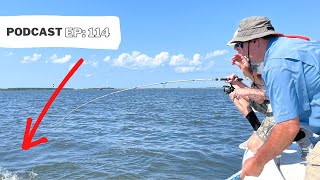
x=246, y=99
x=291, y=68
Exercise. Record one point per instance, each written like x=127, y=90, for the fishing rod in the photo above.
x=155, y=84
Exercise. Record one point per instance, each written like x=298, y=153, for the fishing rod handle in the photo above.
x=226, y=79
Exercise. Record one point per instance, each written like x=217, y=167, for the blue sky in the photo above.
x=161, y=41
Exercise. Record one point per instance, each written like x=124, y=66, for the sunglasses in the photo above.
x=239, y=44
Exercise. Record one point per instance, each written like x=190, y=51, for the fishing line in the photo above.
x=148, y=85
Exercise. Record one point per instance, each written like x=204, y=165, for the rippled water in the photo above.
x=137, y=134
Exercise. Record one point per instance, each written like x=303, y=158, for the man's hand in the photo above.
x=280, y=138
x=244, y=66
x=240, y=93
x=241, y=62
x=233, y=79
x=251, y=167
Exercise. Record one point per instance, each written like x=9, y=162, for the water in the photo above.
x=137, y=134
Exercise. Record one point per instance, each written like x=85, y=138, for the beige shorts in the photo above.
x=313, y=167
x=268, y=123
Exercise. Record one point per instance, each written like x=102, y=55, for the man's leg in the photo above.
x=254, y=142
x=244, y=107
x=259, y=137
x=262, y=134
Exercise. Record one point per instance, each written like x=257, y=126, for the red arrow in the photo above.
x=27, y=138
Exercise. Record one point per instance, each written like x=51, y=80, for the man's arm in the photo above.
x=256, y=95
x=280, y=138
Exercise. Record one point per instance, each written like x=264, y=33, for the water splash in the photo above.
x=7, y=175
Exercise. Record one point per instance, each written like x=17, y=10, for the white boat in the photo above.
x=287, y=166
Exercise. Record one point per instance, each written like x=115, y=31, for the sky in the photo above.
x=161, y=40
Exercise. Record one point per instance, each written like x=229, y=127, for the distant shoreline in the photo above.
x=108, y=88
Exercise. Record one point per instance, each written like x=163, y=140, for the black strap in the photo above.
x=254, y=121
x=299, y=136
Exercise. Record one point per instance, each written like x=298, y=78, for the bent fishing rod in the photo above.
x=226, y=89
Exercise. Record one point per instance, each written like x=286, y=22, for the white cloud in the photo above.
x=196, y=60
x=94, y=63
x=177, y=60
x=161, y=58
x=107, y=59
x=7, y=54
x=29, y=59
x=189, y=69
x=138, y=60
x=182, y=64
x=207, y=66
x=124, y=59
x=53, y=57
x=215, y=53
x=61, y=60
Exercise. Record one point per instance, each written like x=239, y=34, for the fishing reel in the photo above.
x=228, y=89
